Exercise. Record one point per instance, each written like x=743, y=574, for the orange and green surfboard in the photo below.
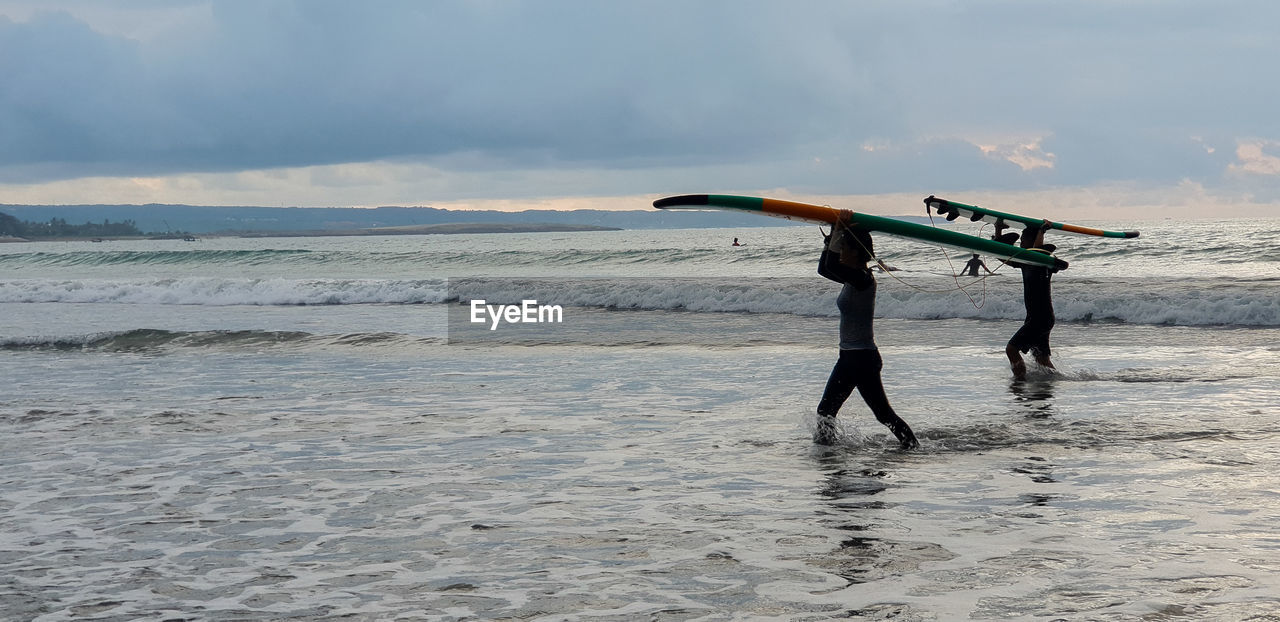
x=822, y=214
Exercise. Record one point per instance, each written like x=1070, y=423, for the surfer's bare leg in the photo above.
x=1016, y=363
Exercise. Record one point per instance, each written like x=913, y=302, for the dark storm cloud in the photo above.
x=1116, y=90
x=283, y=83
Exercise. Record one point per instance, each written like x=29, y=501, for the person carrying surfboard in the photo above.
x=846, y=252
x=1033, y=336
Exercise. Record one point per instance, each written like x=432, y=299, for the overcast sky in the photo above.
x=1100, y=104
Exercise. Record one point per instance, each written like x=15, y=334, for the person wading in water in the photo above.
x=1033, y=337
x=844, y=259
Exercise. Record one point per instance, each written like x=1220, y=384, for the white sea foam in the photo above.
x=1245, y=303
x=212, y=291
x=1227, y=303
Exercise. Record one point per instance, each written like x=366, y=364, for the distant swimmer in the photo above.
x=844, y=259
x=971, y=268
x=735, y=242
x=1033, y=337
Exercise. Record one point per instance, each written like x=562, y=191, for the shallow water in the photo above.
x=455, y=482
x=371, y=462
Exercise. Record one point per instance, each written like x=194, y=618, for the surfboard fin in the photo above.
x=953, y=209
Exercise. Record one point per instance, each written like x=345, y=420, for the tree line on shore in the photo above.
x=60, y=228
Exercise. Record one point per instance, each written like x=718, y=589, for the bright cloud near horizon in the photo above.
x=1109, y=107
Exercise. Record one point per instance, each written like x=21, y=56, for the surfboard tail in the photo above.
x=1098, y=232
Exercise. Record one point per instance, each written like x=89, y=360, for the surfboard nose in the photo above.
x=684, y=199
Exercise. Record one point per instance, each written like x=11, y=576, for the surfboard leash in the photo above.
x=962, y=288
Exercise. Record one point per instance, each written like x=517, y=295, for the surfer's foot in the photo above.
x=1019, y=370
x=825, y=432
x=906, y=438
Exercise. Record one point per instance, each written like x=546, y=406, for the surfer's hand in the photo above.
x=846, y=216
x=1046, y=225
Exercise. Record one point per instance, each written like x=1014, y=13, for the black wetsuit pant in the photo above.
x=1033, y=336
x=861, y=369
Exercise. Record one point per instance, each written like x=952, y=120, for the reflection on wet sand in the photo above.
x=861, y=557
x=1034, y=395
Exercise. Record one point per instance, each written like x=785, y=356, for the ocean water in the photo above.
x=313, y=429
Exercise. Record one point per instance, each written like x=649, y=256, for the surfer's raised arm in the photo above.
x=845, y=254
x=1033, y=237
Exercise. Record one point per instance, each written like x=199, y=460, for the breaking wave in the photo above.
x=212, y=291
x=147, y=340
x=1221, y=302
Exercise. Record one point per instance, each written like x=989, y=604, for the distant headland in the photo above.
x=444, y=229
x=96, y=232
x=179, y=221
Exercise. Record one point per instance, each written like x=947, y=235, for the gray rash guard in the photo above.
x=857, y=307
